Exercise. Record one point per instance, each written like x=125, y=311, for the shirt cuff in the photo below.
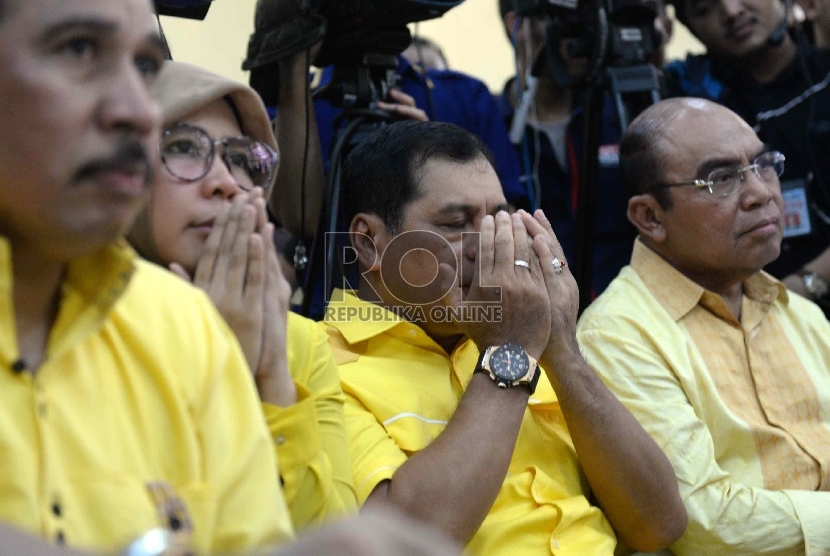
x=294, y=430
x=812, y=509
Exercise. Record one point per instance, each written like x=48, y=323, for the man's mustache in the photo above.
x=129, y=157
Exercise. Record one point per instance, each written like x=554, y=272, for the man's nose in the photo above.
x=732, y=8
x=756, y=191
x=129, y=105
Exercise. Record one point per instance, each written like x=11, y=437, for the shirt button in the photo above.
x=280, y=440
x=59, y=538
x=56, y=509
x=41, y=409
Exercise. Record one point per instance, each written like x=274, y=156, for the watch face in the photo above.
x=509, y=362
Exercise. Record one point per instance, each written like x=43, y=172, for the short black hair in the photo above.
x=506, y=6
x=381, y=175
x=641, y=166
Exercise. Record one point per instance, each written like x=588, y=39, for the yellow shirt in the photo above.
x=310, y=436
x=401, y=391
x=742, y=409
x=144, y=399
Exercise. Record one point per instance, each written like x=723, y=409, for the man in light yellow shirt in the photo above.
x=125, y=401
x=727, y=370
x=504, y=457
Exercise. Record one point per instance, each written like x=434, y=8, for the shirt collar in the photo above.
x=90, y=288
x=100, y=277
x=405, y=68
x=358, y=320
x=679, y=295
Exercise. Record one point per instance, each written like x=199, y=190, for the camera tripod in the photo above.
x=358, y=88
x=633, y=89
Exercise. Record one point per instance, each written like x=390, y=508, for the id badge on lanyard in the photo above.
x=796, y=208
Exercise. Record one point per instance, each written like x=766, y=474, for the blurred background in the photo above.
x=471, y=36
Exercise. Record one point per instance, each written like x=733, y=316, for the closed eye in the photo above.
x=149, y=66
x=82, y=48
x=456, y=225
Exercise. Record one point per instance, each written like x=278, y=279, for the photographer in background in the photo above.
x=779, y=85
x=277, y=57
x=285, y=41
x=551, y=151
x=426, y=54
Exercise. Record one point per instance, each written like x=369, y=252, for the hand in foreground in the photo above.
x=518, y=291
x=404, y=105
x=373, y=534
x=563, y=292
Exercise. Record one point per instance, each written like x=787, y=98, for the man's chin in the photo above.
x=747, y=50
x=768, y=255
x=87, y=237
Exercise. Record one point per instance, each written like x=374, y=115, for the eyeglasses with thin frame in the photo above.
x=188, y=153
x=722, y=182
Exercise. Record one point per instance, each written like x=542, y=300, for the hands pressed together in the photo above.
x=240, y=272
x=515, y=269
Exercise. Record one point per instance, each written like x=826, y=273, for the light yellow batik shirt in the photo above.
x=143, y=414
x=742, y=409
x=401, y=391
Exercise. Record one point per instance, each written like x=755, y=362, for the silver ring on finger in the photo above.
x=558, y=265
x=521, y=263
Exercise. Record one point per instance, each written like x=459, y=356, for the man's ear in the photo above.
x=369, y=238
x=647, y=216
x=509, y=20
x=668, y=27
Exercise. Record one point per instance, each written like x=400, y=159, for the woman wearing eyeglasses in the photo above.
x=206, y=221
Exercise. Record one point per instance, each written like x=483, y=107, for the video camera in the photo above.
x=618, y=39
x=608, y=33
x=360, y=38
x=362, y=41
x=357, y=27
x=189, y=9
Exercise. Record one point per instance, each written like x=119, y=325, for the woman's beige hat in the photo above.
x=182, y=89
